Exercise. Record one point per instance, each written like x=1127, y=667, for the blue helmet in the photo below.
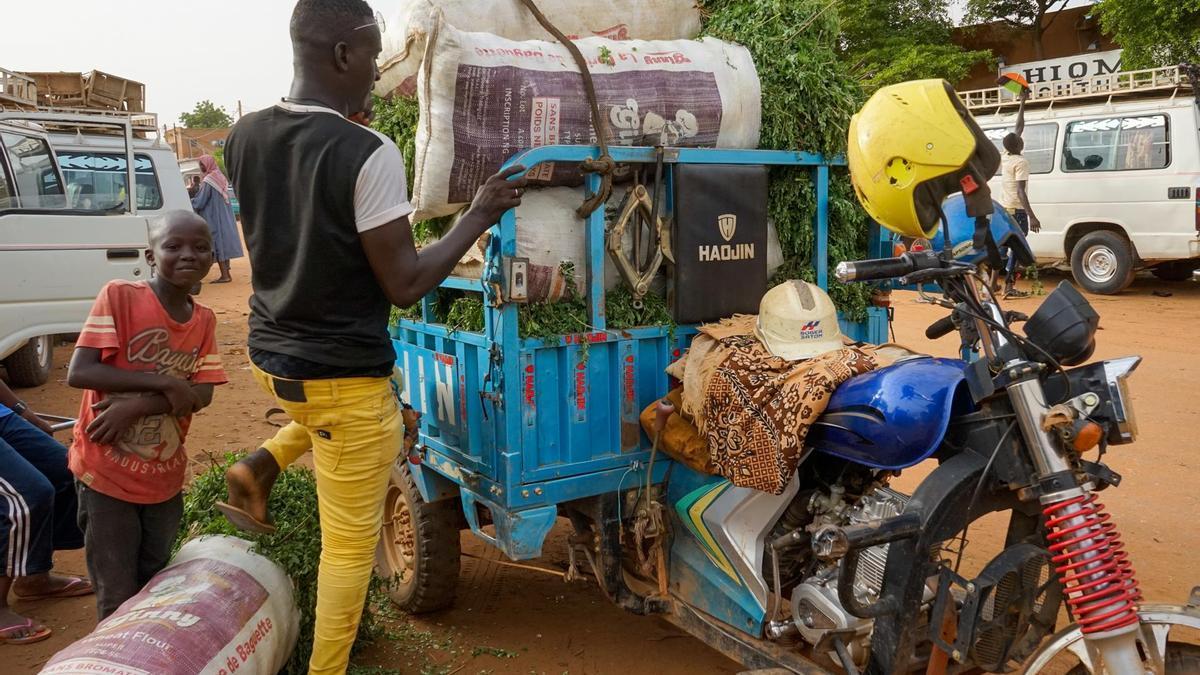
x=1003, y=229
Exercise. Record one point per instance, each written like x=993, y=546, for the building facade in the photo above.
x=1073, y=46
x=192, y=143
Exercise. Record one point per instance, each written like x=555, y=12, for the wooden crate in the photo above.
x=17, y=90
x=59, y=89
x=103, y=90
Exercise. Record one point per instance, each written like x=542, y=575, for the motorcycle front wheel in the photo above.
x=1181, y=659
x=1159, y=624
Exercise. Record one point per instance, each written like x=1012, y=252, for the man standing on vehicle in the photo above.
x=326, y=217
x=1014, y=178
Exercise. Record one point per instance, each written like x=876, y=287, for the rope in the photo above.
x=604, y=164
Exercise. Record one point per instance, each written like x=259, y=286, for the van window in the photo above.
x=6, y=195
x=1117, y=144
x=96, y=180
x=36, y=181
x=1040, y=140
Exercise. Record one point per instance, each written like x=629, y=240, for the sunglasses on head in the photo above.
x=377, y=22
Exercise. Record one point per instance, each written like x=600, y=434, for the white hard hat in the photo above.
x=797, y=320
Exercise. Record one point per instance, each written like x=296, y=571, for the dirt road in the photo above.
x=514, y=620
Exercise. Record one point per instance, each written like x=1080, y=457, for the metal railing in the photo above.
x=1126, y=83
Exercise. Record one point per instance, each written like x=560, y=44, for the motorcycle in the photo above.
x=872, y=577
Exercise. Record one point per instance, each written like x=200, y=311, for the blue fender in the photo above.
x=894, y=417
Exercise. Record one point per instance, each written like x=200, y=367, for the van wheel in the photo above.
x=1102, y=262
x=30, y=365
x=1180, y=270
x=419, y=548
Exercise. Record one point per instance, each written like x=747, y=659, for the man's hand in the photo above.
x=115, y=417
x=184, y=401
x=497, y=195
x=36, y=421
x=1035, y=225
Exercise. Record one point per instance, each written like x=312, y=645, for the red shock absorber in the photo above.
x=1092, y=564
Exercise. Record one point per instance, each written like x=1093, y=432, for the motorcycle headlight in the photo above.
x=1117, y=372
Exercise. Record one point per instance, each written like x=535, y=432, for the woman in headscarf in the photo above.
x=212, y=203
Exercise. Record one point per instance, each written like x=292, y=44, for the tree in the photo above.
x=1023, y=15
x=1153, y=32
x=206, y=115
x=889, y=41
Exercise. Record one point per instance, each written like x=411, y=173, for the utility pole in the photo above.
x=239, y=108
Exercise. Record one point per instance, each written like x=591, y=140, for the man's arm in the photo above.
x=1020, y=128
x=13, y=402
x=1035, y=225
x=406, y=274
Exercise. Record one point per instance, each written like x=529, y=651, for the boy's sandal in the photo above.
x=76, y=587
x=39, y=634
x=243, y=520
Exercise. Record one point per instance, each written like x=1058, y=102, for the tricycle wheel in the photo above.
x=419, y=548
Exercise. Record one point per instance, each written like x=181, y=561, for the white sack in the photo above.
x=215, y=609
x=484, y=97
x=407, y=30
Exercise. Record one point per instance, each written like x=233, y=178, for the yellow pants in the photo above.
x=355, y=430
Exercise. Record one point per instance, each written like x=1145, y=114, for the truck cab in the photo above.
x=67, y=224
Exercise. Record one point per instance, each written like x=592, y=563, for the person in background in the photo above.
x=193, y=186
x=147, y=359
x=212, y=203
x=37, y=517
x=329, y=264
x=1014, y=197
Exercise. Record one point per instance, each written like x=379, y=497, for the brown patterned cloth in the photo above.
x=758, y=408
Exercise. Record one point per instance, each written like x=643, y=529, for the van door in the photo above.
x=54, y=257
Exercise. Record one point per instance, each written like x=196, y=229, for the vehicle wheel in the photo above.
x=419, y=549
x=1181, y=659
x=1180, y=270
x=1102, y=262
x=30, y=365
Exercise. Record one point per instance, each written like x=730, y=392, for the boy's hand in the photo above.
x=115, y=417
x=183, y=400
x=1035, y=225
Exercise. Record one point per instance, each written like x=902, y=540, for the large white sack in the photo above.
x=407, y=30
x=550, y=234
x=215, y=609
x=484, y=97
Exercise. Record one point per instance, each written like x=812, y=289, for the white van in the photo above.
x=66, y=227
x=1114, y=176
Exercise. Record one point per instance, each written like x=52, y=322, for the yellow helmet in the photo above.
x=911, y=145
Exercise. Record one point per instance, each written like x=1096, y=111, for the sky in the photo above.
x=225, y=51
x=221, y=50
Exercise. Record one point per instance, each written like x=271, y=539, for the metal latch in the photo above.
x=516, y=280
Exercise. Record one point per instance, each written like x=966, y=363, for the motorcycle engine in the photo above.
x=816, y=610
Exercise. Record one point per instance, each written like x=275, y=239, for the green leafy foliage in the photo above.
x=296, y=546
x=397, y=118
x=890, y=41
x=1153, y=32
x=206, y=115
x=808, y=95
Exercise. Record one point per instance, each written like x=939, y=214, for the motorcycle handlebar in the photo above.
x=941, y=327
x=886, y=268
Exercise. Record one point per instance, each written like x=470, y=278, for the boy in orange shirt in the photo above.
x=147, y=359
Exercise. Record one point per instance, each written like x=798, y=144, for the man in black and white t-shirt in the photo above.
x=326, y=217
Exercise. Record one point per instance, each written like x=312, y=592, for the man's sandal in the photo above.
x=76, y=587
x=41, y=633
x=243, y=520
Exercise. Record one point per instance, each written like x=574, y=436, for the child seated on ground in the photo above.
x=147, y=359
